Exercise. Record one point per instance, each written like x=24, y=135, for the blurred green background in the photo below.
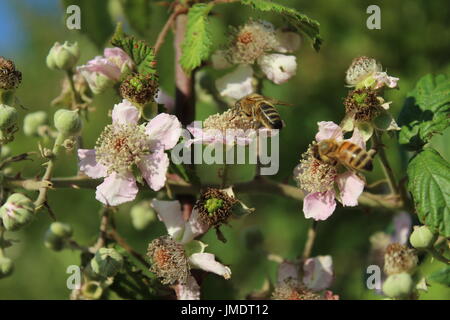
x=412, y=42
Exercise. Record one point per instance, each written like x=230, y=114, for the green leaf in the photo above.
x=142, y=54
x=429, y=184
x=299, y=21
x=138, y=15
x=441, y=276
x=96, y=22
x=426, y=111
x=197, y=42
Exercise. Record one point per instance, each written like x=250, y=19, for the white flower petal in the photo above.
x=318, y=272
x=89, y=165
x=154, y=168
x=328, y=130
x=125, y=112
x=287, y=271
x=278, y=68
x=117, y=189
x=193, y=227
x=188, y=291
x=402, y=224
x=319, y=205
x=351, y=187
x=170, y=213
x=236, y=84
x=164, y=129
x=207, y=262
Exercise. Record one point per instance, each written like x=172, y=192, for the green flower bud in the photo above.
x=92, y=290
x=142, y=214
x=8, y=123
x=63, y=57
x=107, y=262
x=62, y=230
x=67, y=122
x=17, y=212
x=33, y=121
x=55, y=235
x=398, y=285
x=6, y=267
x=422, y=237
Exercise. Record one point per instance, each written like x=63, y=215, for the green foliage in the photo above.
x=96, y=22
x=142, y=54
x=425, y=112
x=299, y=21
x=138, y=13
x=197, y=42
x=429, y=184
x=441, y=276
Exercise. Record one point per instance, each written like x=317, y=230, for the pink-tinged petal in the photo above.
x=188, y=291
x=89, y=165
x=169, y=212
x=350, y=187
x=125, y=112
x=119, y=57
x=278, y=68
x=328, y=130
x=164, y=129
x=117, y=189
x=287, y=271
x=163, y=98
x=103, y=66
x=402, y=224
x=193, y=227
x=318, y=272
x=154, y=168
x=383, y=78
x=319, y=205
x=207, y=262
x=236, y=84
x=329, y=295
x=358, y=139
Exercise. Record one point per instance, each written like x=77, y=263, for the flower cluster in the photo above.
x=256, y=44
x=124, y=145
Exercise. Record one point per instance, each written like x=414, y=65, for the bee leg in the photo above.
x=372, y=152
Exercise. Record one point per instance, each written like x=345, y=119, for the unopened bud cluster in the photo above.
x=63, y=57
x=56, y=235
x=17, y=212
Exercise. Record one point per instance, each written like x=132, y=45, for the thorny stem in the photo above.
x=165, y=30
x=104, y=223
x=438, y=256
x=260, y=185
x=389, y=173
x=75, y=93
x=45, y=181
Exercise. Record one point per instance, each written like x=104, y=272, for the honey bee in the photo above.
x=261, y=109
x=346, y=153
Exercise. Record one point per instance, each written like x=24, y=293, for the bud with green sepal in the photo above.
x=142, y=214
x=6, y=267
x=398, y=285
x=422, y=237
x=107, y=262
x=17, y=212
x=56, y=235
x=92, y=290
x=67, y=122
x=8, y=123
x=63, y=57
x=34, y=122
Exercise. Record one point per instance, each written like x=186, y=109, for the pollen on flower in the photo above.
x=120, y=146
x=228, y=120
x=169, y=261
x=361, y=68
x=214, y=207
x=251, y=41
x=314, y=174
x=10, y=78
x=362, y=104
x=291, y=290
x=399, y=258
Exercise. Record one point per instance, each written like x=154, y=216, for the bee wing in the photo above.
x=280, y=103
